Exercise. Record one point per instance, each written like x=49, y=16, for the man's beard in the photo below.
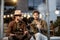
x=36, y=18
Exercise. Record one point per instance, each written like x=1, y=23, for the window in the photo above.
x=58, y=4
x=33, y=4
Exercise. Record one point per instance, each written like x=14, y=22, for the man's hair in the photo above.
x=35, y=11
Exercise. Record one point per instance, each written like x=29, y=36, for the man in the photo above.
x=37, y=25
x=17, y=28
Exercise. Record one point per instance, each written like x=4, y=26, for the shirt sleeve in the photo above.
x=9, y=28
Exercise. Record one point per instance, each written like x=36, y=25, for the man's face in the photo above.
x=35, y=16
x=19, y=18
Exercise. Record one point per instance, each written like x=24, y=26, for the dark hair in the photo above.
x=35, y=11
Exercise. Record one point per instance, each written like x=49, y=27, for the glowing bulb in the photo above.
x=7, y=15
x=11, y=15
x=57, y=11
x=24, y=15
x=4, y=16
x=14, y=1
x=28, y=16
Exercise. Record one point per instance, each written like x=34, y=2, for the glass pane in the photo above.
x=39, y=1
x=30, y=2
x=58, y=4
x=36, y=4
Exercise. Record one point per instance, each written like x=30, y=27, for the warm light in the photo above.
x=24, y=15
x=14, y=1
x=7, y=15
x=4, y=16
x=28, y=16
x=11, y=15
x=57, y=12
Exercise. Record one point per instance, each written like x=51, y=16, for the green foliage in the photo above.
x=57, y=24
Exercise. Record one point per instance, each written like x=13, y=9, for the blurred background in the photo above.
x=27, y=6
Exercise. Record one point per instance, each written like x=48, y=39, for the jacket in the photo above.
x=18, y=28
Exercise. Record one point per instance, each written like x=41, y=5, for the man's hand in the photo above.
x=12, y=34
x=25, y=32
